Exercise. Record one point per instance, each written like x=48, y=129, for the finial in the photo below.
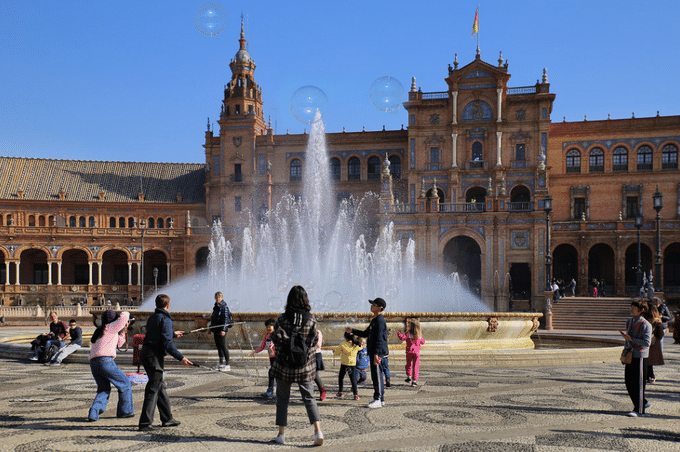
x=243, y=35
x=545, y=75
x=343, y=129
x=383, y=128
x=657, y=113
x=500, y=59
x=506, y=64
x=364, y=128
x=422, y=187
x=208, y=123
x=270, y=122
x=413, y=84
x=585, y=118
x=455, y=61
x=633, y=115
x=609, y=116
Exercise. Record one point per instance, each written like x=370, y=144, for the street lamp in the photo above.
x=155, y=279
x=638, y=270
x=142, y=225
x=547, y=206
x=658, y=205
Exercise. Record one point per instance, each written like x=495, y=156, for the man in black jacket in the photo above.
x=377, y=349
x=158, y=343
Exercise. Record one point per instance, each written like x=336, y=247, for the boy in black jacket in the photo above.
x=377, y=349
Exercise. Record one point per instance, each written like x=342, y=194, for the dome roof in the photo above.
x=242, y=56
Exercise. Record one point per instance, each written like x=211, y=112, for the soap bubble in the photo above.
x=386, y=94
x=306, y=101
x=276, y=303
x=254, y=336
x=210, y=19
x=309, y=284
x=391, y=292
x=350, y=320
x=196, y=286
x=283, y=285
x=234, y=305
x=333, y=300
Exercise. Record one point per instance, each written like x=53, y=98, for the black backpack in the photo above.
x=46, y=354
x=294, y=352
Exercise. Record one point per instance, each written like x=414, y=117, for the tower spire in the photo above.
x=242, y=41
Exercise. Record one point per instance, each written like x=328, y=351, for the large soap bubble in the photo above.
x=210, y=19
x=386, y=94
x=306, y=101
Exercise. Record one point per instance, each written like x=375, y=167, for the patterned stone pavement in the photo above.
x=522, y=408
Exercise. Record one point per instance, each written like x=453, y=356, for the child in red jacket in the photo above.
x=414, y=340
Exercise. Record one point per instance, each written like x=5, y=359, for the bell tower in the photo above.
x=229, y=157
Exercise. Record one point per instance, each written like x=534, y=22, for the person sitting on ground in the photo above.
x=56, y=336
x=76, y=335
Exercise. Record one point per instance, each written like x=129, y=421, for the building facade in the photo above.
x=467, y=180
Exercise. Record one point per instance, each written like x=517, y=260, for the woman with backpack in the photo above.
x=295, y=337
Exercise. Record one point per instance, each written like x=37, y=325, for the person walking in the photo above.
x=638, y=336
x=157, y=343
x=655, y=350
x=296, y=320
x=414, y=340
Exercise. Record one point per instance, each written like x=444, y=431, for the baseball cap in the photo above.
x=378, y=302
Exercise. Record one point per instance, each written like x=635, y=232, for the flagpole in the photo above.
x=477, y=15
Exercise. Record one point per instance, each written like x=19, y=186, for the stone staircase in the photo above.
x=588, y=313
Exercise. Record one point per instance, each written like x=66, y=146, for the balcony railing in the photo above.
x=462, y=207
x=522, y=90
x=236, y=178
x=405, y=208
x=437, y=95
x=520, y=206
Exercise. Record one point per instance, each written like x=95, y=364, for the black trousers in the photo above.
x=221, y=344
x=635, y=376
x=349, y=370
x=155, y=393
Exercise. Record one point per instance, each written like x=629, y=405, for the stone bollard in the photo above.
x=38, y=311
x=548, y=316
x=79, y=310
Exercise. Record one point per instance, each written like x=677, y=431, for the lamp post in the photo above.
x=155, y=279
x=142, y=225
x=658, y=205
x=547, y=206
x=638, y=269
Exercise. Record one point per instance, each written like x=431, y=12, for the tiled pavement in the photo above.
x=455, y=408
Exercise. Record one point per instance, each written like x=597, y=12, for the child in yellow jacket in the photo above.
x=348, y=358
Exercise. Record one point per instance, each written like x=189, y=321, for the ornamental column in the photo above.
x=59, y=273
x=499, y=135
x=16, y=283
x=49, y=273
x=99, y=272
x=89, y=273
x=168, y=272
x=454, y=150
x=129, y=273
x=499, y=91
x=455, y=108
x=6, y=273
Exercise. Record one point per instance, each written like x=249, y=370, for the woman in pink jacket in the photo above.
x=414, y=340
x=105, y=339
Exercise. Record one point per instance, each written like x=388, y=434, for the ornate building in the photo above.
x=467, y=181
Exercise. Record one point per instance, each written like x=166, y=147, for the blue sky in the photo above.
x=136, y=81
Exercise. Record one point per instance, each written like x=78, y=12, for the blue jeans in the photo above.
x=106, y=372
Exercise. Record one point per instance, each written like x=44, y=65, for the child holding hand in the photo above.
x=414, y=340
x=348, y=358
x=362, y=362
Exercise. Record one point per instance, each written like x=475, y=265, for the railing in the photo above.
x=476, y=164
x=461, y=207
x=236, y=178
x=520, y=206
x=405, y=208
x=620, y=168
x=669, y=165
x=597, y=168
x=522, y=90
x=573, y=169
x=437, y=95
x=62, y=311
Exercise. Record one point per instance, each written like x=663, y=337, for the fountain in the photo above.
x=332, y=250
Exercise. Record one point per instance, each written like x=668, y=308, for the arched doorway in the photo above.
x=115, y=268
x=202, y=259
x=565, y=263
x=601, y=266
x=33, y=267
x=154, y=259
x=462, y=255
x=631, y=282
x=477, y=196
x=74, y=267
x=671, y=263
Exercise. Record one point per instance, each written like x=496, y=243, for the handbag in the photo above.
x=627, y=357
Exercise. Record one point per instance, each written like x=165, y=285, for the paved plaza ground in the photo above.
x=526, y=407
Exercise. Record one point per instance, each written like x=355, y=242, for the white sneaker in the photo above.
x=33, y=358
x=632, y=414
x=648, y=404
x=279, y=439
x=375, y=404
x=318, y=438
x=224, y=368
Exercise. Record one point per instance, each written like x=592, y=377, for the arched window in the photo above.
x=131, y=222
x=296, y=170
x=121, y=222
x=669, y=157
x=92, y=222
x=335, y=168
x=81, y=222
x=620, y=162
x=72, y=222
x=373, y=168
x=41, y=221
x=573, y=161
x=353, y=169
x=169, y=223
x=477, y=155
x=395, y=167
x=151, y=223
x=112, y=222
x=644, y=158
x=31, y=220
x=596, y=163
x=160, y=223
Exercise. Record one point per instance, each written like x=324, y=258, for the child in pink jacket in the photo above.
x=414, y=340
